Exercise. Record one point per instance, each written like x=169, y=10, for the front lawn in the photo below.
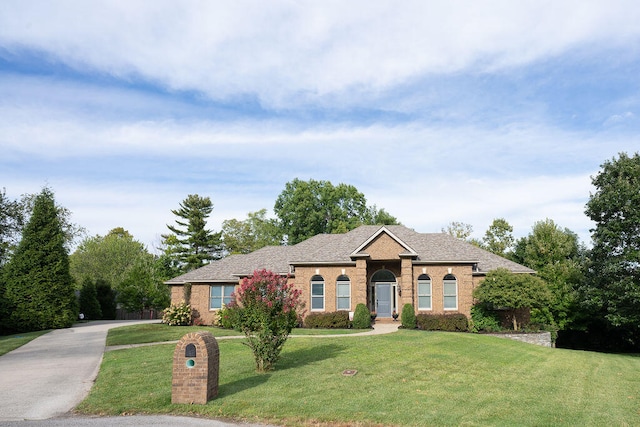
x=406, y=378
x=157, y=332
x=11, y=342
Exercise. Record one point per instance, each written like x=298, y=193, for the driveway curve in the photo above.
x=50, y=375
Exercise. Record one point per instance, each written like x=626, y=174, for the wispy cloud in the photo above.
x=437, y=111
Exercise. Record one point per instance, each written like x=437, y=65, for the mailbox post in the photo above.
x=196, y=368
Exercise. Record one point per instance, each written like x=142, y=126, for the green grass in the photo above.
x=408, y=378
x=156, y=332
x=11, y=342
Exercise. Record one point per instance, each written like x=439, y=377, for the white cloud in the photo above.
x=287, y=53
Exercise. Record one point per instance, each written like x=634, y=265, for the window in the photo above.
x=317, y=293
x=424, y=292
x=219, y=295
x=450, y=291
x=343, y=293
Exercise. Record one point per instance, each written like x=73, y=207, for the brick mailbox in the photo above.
x=196, y=367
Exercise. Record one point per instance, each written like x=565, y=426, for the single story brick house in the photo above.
x=384, y=267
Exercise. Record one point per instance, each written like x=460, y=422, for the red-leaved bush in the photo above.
x=266, y=308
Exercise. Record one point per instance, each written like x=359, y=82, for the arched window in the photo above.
x=424, y=292
x=450, y=292
x=317, y=293
x=383, y=276
x=343, y=293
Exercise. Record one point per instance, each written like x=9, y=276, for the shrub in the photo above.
x=332, y=320
x=484, y=319
x=456, y=322
x=361, y=317
x=177, y=315
x=266, y=313
x=228, y=316
x=408, y=317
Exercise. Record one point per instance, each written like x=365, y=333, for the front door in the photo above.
x=383, y=299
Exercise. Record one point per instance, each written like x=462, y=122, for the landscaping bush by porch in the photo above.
x=361, y=317
x=455, y=322
x=331, y=320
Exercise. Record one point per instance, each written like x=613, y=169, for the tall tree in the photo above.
x=11, y=222
x=143, y=288
x=107, y=257
x=307, y=208
x=613, y=290
x=191, y=243
x=558, y=257
x=39, y=287
x=255, y=232
x=459, y=230
x=498, y=238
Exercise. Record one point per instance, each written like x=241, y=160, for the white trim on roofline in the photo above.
x=384, y=229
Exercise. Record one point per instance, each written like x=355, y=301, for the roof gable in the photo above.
x=405, y=249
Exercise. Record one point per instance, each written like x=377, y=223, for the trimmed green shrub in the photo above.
x=456, y=322
x=408, y=317
x=361, y=317
x=331, y=320
x=483, y=319
x=177, y=315
x=228, y=316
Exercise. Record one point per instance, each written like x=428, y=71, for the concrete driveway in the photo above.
x=50, y=375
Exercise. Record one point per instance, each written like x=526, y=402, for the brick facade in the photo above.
x=438, y=255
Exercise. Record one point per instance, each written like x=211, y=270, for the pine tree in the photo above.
x=89, y=304
x=191, y=244
x=39, y=289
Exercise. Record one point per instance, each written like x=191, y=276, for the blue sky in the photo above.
x=437, y=111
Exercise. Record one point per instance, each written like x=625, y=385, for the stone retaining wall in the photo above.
x=543, y=338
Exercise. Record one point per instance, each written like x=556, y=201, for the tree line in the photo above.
x=594, y=292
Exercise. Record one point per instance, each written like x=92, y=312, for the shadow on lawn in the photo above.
x=289, y=360
x=304, y=356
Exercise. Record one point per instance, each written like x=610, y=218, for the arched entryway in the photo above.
x=383, y=291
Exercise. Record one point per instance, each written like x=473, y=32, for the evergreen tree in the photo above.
x=106, y=298
x=191, y=244
x=39, y=289
x=89, y=304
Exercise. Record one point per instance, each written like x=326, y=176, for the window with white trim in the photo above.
x=343, y=293
x=450, y=292
x=317, y=293
x=424, y=292
x=220, y=295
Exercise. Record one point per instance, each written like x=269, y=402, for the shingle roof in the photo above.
x=339, y=248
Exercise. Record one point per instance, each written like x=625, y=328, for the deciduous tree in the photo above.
x=558, y=257
x=504, y=289
x=307, y=208
x=255, y=232
x=498, y=239
x=613, y=290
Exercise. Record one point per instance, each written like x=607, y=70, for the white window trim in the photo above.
x=430, y=295
x=338, y=297
x=445, y=295
x=222, y=288
x=324, y=294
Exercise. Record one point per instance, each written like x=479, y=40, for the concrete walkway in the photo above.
x=42, y=381
x=378, y=329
